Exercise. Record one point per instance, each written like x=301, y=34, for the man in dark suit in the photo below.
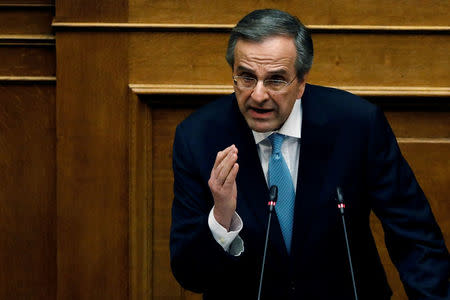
x=226, y=156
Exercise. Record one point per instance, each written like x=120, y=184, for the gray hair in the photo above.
x=261, y=24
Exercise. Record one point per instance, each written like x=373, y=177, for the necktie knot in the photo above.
x=277, y=140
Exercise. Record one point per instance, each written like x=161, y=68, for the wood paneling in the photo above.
x=140, y=201
x=27, y=151
x=27, y=2
x=179, y=58
x=164, y=122
x=27, y=40
x=93, y=11
x=93, y=166
x=176, y=27
x=25, y=20
x=381, y=60
x=27, y=61
x=420, y=124
x=374, y=60
x=382, y=12
x=28, y=79
x=27, y=192
x=403, y=94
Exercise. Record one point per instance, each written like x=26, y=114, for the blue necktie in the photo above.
x=280, y=176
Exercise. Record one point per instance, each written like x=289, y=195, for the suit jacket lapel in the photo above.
x=317, y=141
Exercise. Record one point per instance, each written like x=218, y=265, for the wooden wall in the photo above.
x=27, y=151
x=86, y=162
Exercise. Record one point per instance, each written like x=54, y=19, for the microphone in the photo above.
x=273, y=197
x=341, y=207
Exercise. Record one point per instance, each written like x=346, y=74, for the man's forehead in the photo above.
x=271, y=46
x=277, y=54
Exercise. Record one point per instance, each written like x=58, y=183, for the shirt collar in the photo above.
x=292, y=127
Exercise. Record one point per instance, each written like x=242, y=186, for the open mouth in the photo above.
x=261, y=110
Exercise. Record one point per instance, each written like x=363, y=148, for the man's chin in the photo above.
x=261, y=126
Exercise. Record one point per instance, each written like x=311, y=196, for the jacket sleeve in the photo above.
x=413, y=238
x=198, y=262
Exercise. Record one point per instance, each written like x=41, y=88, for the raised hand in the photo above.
x=222, y=184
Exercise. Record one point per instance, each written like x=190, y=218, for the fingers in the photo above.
x=230, y=180
x=225, y=167
x=222, y=154
x=222, y=184
x=224, y=164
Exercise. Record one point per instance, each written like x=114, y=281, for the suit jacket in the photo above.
x=346, y=142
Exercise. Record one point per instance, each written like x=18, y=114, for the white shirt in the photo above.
x=292, y=128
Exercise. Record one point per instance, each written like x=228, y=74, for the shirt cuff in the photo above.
x=229, y=240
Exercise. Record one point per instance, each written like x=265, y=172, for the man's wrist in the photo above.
x=227, y=238
x=223, y=219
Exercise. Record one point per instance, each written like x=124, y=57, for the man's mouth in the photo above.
x=261, y=110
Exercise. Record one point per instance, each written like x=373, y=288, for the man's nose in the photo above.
x=259, y=93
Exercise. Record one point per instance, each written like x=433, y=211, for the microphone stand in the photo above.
x=341, y=206
x=273, y=195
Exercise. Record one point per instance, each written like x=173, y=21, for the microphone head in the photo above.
x=273, y=193
x=340, y=198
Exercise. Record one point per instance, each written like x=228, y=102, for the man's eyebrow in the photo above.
x=244, y=69
x=278, y=72
x=273, y=72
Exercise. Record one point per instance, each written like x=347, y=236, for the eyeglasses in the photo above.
x=249, y=83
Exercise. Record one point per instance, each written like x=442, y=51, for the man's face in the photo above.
x=273, y=58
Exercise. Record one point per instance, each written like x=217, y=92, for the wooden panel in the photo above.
x=26, y=2
x=163, y=129
x=381, y=60
x=140, y=205
x=392, y=96
x=188, y=295
x=341, y=60
x=25, y=20
x=27, y=61
x=93, y=166
x=94, y=11
x=27, y=192
x=381, y=12
x=420, y=124
x=179, y=58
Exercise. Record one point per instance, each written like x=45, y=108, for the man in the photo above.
x=308, y=140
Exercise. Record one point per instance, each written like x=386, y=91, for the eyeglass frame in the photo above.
x=255, y=80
